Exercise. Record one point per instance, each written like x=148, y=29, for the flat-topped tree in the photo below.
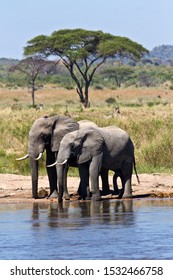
x=82, y=52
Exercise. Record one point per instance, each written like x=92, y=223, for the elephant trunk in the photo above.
x=35, y=152
x=34, y=177
x=62, y=168
x=61, y=182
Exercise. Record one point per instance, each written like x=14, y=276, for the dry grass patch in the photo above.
x=149, y=125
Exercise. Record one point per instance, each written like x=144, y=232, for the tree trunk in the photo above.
x=87, y=103
x=33, y=95
x=83, y=96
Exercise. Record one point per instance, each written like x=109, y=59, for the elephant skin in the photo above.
x=96, y=149
x=46, y=134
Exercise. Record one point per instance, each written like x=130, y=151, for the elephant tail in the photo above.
x=134, y=164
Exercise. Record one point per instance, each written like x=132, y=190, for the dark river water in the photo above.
x=112, y=229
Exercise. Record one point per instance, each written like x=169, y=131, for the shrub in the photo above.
x=110, y=100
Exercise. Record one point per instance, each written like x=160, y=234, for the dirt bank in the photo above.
x=17, y=188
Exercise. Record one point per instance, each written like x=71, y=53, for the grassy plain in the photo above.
x=145, y=113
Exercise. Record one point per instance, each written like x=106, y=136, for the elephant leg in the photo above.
x=66, y=195
x=94, y=171
x=79, y=191
x=128, y=187
x=126, y=190
x=126, y=178
x=51, y=172
x=115, y=176
x=84, y=190
x=105, y=182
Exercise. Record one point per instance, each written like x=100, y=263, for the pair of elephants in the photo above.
x=92, y=149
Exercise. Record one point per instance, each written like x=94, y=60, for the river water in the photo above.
x=109, y=229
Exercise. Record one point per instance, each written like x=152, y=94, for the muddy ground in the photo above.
x=17, y=188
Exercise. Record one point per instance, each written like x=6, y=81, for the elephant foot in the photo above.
x=60, y=200
x=106, y=192
x=125, y=196
x=96, y=197
x=54, y=194
x=116, y=191
x=35, y=197
x=86, y=198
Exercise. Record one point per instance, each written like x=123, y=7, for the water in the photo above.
x=112, y=229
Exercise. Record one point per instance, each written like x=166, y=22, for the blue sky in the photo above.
x=148, y=22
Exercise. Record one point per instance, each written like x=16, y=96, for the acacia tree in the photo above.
x=32, y=66
x=82, y=52
x=119, y=74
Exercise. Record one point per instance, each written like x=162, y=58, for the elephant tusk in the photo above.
x=39, y=157
x=53, y=164
x=22, y=158
x=61, y=163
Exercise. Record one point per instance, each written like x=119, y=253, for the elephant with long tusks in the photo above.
x=96, y=149
x=46, y=134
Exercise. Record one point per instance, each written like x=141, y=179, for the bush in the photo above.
x=110, y=100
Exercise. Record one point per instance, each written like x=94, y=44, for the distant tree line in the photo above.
x=109, y=76
x=88, y=59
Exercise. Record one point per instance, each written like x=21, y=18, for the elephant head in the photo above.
x=86, y=147
x=82, y=144
x=46, y=134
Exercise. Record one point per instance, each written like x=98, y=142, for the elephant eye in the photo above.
x=71, y=145
x=46, y=138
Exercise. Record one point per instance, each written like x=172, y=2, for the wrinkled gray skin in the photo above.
x=103, y=173
x=86, y=123
x=97, y=149
x=46, y=134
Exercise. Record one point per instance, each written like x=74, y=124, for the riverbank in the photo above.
x=17, y=188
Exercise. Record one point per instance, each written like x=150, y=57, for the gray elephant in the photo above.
x=97, y=149
x=46, y=134
x=104, y=173
x=86, y=123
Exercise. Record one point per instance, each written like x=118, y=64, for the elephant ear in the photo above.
x=62, y=126
x=92, y=145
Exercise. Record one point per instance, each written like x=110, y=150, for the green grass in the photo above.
x=150, y=128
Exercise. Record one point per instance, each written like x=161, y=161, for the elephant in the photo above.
x=46, y=134
x=86, y=123
x=96, y=149
x=104, y=173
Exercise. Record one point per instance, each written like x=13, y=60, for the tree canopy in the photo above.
x=32, y=66
x=119, y=74
x=82, y=52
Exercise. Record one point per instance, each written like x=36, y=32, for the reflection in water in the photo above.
x=84, y=213
x=109, y=229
